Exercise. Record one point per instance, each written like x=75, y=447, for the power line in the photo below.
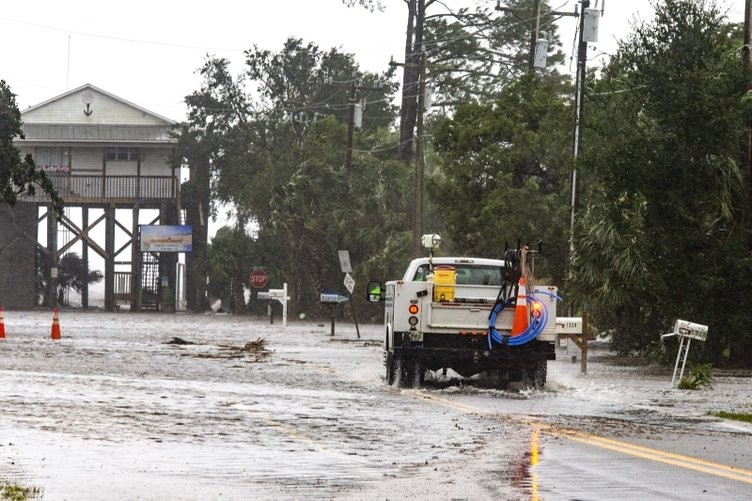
x=122, y=39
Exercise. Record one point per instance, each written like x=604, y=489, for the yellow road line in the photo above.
x=687, y=462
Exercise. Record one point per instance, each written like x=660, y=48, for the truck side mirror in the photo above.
x=374, y=289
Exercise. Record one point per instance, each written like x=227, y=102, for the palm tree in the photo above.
x=70, y=275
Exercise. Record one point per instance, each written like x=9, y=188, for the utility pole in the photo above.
x=419, y=173
x=420, y=164
x=579, y=105
x=350, y=129
x=747, y=150
x=535, y=27
x=354, y=87
x=534, y=35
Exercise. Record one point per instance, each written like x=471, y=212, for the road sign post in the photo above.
x=278, y=295
x=333, y=299
x=350, y=285
x=346, y=267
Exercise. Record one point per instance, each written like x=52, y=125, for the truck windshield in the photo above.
x=467, y=274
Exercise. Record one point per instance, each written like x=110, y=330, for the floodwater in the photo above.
x=158, y=406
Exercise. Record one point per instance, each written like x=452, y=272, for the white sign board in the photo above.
x=166, y=238
x=569, y=325
x=344, y=261
x=349, y=283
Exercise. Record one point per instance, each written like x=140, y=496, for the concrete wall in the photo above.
x=17, y=263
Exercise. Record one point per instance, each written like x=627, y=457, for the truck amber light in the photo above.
x=412, y=321
x=413, y=309
x=537, y=307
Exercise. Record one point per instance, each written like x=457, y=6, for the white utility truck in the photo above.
x=470, y=315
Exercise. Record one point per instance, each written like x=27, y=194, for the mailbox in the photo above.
x=685, y=331
x=278, y=294
x=692, y=330
x=569, y=325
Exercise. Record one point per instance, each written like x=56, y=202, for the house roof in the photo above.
x=68, y=108
x=88, y=115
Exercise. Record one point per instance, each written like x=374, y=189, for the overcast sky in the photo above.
x=147, y=52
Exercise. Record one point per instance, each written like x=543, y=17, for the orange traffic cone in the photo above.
x=55, y=334
x=521, y=314
x=2, y=323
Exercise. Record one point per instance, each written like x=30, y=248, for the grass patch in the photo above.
x=736, y=416
x=10, y=492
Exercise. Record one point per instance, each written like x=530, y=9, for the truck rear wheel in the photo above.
x=419, y=374
x=535, y=374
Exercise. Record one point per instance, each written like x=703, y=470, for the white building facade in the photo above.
x=109, y=160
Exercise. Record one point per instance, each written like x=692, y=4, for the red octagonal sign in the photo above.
x=258, y=279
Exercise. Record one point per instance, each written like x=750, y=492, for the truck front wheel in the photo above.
x=404, y=371
x=391, y=368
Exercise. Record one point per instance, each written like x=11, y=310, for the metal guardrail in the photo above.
x=72, y=188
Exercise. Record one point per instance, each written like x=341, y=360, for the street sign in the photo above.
x=349, y=283
x=258, y=279
x=333, y=297
x=344, y=261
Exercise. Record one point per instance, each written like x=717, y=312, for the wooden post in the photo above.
x=53, y=257
x=584, y=348
x=136, y=262
x=85, y=258
x=109, y=259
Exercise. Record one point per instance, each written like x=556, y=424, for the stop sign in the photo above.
x=258, y=279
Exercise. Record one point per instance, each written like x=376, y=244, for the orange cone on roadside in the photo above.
x=521, y=315
x=55, y=334
x=2, y=323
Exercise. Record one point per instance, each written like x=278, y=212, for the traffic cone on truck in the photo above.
x=521, y=314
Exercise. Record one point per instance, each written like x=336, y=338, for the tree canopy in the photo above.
x=273, y=144
x=503, y=172
x=18, y=176
x=664, y=228
x=660, y=236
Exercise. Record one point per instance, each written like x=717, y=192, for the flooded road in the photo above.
x=151, y=406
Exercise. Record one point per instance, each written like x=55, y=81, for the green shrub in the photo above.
x=699, y=378
x=10, y=492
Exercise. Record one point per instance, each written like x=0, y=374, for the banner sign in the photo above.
x=52, y=169
x=165, y=238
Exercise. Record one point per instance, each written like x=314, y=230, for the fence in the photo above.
x=72, y=188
